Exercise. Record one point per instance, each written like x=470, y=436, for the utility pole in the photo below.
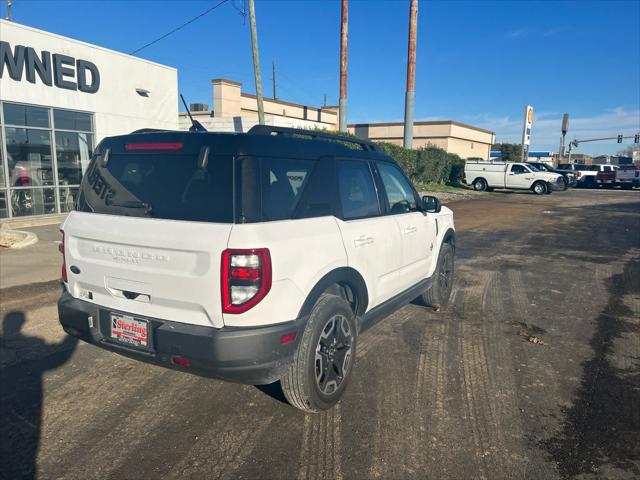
x=256, y=61
x=273, y=76
x=325, y=100
x=409, y=98
x=342, y=125
x=9, y=16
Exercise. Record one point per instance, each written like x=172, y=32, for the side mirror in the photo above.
x=431, y=204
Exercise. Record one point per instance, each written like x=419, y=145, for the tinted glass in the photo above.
x=357, y=192
x=68, y=120
x=400, y=196
x=2, y=176
x=4, y=211
x=518, y=169
x=33, y=201
x=67, y=198
x=73, y=151
x=29, y=157
x=25, y=115
x=169, y=186
x=318, y=197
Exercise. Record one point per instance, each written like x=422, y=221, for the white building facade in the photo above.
x=59, y=98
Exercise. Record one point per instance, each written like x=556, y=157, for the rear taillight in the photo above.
x=245, y=278
x=578, y=174
x=64, y=260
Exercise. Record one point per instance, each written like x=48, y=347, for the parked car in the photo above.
x=624, y=176
x=249, y=257
x=628, y=176
x=587, y=175
x=485, y=175
x=568, y=176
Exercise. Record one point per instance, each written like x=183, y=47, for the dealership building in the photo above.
x=58, y=98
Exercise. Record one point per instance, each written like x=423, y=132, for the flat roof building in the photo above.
x=235, y=111
x=464, y=140
x=58, y=98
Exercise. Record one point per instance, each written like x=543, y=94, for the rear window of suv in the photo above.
x=160, y=185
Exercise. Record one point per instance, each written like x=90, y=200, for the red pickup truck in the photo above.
x=624, y=176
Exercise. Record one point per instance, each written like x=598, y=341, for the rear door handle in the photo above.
x=410, y=229
x=363, y=241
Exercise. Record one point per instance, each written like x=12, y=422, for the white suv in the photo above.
x=248, y=257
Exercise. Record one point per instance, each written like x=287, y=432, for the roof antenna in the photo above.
x=196, y=126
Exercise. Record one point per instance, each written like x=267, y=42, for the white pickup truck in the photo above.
x=484, y=175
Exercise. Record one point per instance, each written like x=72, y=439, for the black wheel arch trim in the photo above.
x=341, y=275
x=450, y=237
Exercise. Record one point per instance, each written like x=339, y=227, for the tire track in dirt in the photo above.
x=381, y=331
x=394, y=431
x=321, y=453
x=222, y=450
x=501, y=363
x=431, y=385
x=112, y=443
x=482, y=414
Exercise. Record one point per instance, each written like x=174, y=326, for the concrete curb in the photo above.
x=27, y=222
x=17, y=238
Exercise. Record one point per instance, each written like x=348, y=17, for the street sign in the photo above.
x=528, y=122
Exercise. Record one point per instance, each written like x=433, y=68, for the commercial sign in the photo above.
x=56, y=69
x=528, y=122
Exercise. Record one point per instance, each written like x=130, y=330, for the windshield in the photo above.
x=159, y=185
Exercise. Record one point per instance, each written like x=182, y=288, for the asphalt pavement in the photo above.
x=533, y=371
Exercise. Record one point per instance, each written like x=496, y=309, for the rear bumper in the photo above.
x=244, y=355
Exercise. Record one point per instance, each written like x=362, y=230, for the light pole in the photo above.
x=256, y=61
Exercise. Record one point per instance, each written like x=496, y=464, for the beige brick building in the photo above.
x=454, y=137
x=236, y=111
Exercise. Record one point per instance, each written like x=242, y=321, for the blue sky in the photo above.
x=477, y=62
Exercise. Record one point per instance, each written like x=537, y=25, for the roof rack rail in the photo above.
x=287, y=131
x=148, y=130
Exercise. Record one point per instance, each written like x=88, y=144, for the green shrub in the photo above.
x=423, y=165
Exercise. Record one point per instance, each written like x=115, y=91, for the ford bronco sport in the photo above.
x=250, y=257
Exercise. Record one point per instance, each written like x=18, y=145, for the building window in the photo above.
x=44, y=153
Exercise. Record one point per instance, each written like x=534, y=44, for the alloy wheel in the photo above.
x=333, y=354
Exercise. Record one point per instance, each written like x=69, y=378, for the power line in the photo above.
x=180, y=27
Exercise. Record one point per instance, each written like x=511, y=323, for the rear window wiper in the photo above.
x=133, y=204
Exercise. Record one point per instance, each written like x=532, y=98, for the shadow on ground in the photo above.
x=21, y=398
x=603, y=424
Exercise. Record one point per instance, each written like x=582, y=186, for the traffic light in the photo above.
x=619, y=138
x=636, y=139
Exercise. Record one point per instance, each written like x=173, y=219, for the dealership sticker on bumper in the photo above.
x=129, y=330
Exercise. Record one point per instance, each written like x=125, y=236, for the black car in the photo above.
x=568, y=175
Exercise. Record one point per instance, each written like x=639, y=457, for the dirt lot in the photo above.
x=463, y=393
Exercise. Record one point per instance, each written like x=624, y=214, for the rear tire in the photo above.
x=439, y=291
x=480, y=185
x=325, y=357
x=539, y=188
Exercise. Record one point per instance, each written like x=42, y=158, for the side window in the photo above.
x=517, y=169
x=400, y=196
x=282, y=184
x=357, y=192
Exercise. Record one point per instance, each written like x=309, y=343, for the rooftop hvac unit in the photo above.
x=198, y=107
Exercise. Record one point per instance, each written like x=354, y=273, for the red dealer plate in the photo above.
x=130, y=331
